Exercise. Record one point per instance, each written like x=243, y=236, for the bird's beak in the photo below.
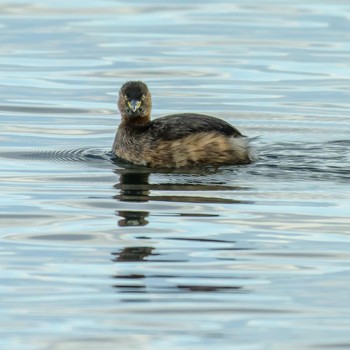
x=134, y=105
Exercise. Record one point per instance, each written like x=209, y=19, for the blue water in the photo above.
x=96, y=254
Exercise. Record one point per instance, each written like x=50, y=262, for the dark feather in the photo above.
x=175, y=126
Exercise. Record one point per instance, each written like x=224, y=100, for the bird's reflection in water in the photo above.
x=134, y=186
x=133, y=254
x=133, y=218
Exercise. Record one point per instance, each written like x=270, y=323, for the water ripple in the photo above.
x=73, y=155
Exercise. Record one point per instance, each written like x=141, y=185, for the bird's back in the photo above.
x=176, y=126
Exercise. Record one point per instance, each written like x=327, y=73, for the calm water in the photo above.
x=101, y=255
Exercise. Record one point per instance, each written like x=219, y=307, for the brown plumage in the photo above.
x=173, y=141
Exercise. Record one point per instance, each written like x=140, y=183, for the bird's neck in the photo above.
x=135, y=121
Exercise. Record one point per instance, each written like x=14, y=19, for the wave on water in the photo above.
x=73, y=155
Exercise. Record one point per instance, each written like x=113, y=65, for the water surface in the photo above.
x=100, y=254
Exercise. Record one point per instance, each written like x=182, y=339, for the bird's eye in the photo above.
x=126, y=98
x=143, y=97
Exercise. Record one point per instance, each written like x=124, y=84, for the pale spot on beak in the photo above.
x=134, y=105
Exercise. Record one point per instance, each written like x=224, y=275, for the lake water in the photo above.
x=101, y=255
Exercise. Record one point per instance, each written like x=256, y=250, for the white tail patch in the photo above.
x=243, y=148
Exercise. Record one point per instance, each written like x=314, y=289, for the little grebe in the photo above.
x=173, y=141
